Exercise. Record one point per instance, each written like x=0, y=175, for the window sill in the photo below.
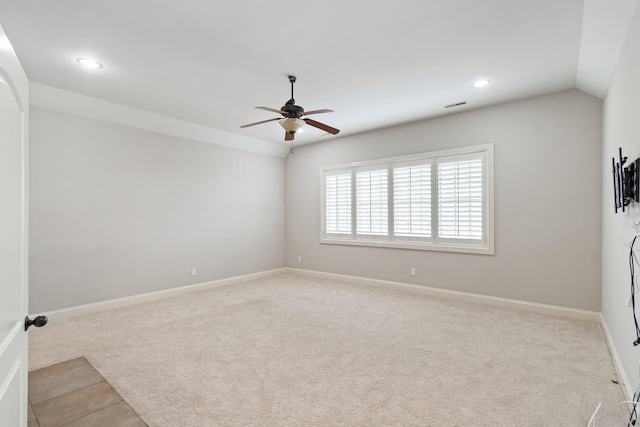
x=422, y=246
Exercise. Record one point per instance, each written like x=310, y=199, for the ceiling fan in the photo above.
x=292, y=120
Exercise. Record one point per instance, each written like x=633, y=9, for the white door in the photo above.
x=13, y=237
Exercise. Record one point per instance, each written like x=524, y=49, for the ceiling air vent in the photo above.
x=457, y=104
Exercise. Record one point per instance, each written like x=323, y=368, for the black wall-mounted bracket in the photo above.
x=626, y=180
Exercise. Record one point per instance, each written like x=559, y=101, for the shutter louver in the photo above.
x=338, y=204
x=372, y=208
x=460, y=200
x=412, y=201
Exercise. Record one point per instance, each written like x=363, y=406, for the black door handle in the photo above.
x=38, y=322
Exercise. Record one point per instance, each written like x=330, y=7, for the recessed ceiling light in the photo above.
x=89, y=63
x=481, y=83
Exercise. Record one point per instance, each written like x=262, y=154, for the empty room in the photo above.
x=354, y=213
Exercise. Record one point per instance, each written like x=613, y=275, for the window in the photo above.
x=371, y=203
x=460, y=199
x=338, y=204
x=412, y=202
x=436, y=201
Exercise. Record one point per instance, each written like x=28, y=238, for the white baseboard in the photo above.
x=424, y=290
x=153, y=296
x=617, y=362
x=552, y=310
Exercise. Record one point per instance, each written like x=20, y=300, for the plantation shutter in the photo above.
x=338, y=204
x=412, y=201
x=441, y=200
x=372, y=206
x=460, y=198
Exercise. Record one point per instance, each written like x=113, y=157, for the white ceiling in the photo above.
x=376, y=63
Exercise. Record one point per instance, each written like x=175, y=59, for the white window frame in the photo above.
x=485, y=245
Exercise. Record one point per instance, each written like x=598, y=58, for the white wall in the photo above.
x=119, y=211
x=621, y=128
x=547, y=202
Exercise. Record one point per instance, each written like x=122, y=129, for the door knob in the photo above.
x=38, y=322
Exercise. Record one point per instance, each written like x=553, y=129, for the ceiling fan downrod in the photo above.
x=292, y=79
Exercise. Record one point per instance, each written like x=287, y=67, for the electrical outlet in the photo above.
x=193, y=271
x=299, y=258
x=413, y=271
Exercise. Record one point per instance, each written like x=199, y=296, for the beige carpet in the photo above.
x=295, y=351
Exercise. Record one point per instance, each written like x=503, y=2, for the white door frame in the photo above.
x=14, y=246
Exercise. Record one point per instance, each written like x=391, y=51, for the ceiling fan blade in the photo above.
x=306, y=113
x=273, y=110
x=288, y=136
x=322, y=126
x=259, y=123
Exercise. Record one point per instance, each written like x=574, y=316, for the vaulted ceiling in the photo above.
x=376, y=63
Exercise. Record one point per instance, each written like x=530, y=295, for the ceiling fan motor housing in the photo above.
x=292, y=110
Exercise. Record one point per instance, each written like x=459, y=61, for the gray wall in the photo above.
x=547, y=202
x=117, y=211
x=621, y=129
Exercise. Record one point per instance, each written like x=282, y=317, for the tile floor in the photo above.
x=74, y=394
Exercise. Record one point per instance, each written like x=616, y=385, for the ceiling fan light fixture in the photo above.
x=292, y=124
